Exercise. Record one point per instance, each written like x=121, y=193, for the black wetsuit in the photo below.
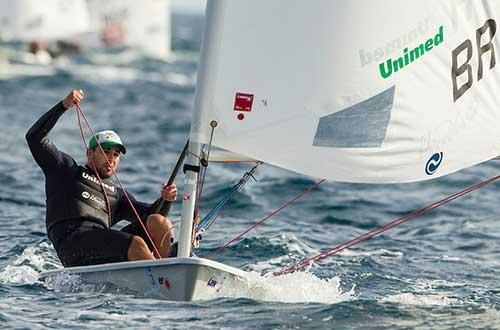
x=77, y=217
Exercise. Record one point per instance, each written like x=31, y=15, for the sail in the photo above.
x=377, y=91
x=224, y=156
x=144, y=25
x=42, y=20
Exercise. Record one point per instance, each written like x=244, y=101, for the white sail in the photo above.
x=223, y=156
x=4, y=64
x=376, y=91
x=141, y=24
x=42, y=19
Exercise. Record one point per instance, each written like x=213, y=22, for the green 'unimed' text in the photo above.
x=409, y=56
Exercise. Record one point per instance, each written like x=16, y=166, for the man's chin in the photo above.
x=106, y=174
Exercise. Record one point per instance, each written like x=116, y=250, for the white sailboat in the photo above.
x=143, y=25
x=29, y=20
x=349, y=90
x=39, y=23
x=4, y=64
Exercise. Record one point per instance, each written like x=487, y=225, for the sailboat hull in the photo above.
x=176, y=279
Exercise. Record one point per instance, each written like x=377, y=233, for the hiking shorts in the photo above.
x=84, y=243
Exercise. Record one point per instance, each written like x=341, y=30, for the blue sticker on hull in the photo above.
x=148, y=272
x=212, y=282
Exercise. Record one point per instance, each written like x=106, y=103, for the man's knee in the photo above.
x=157, y=221
x=138, y=249
x=162, y=232
x=137, y=243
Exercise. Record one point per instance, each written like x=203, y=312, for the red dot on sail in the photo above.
x=241, y=116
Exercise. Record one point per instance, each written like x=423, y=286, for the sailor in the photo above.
x=83, y=203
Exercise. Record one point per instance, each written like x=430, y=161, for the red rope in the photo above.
x=306, y=262
x=108, y=206
x=267, y=217
x=80, y=112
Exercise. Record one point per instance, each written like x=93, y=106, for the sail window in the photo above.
x=362, y=125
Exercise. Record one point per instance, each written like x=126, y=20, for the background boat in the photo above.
x=143, y=25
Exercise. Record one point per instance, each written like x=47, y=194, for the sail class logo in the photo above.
x=433, y=163
x=409, y=56
x=243, y=102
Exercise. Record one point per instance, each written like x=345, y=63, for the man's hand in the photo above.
x=74, y=97
x=169, y=193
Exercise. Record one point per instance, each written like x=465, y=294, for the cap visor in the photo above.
x=110, y=144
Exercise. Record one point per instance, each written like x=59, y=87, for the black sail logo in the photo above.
x=457, y=71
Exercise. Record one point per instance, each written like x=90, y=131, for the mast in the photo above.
x=197, y=130
x=189, y=201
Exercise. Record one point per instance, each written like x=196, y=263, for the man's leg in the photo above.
x=92, y=244
x=161, y=231
x=138, y=250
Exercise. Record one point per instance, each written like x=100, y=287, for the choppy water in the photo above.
x=438, y=271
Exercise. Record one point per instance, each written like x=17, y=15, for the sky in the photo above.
x=188, y=5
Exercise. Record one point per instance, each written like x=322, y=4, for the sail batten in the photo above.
x=334, y=91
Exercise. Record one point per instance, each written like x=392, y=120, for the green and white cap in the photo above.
x=107, y=139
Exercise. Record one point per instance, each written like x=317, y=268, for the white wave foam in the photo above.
x=430, y=293
x=18, y=275
x=425, y=284
x=293, y=244
x=73, y=283
x=445, y=257
x=384, y=253
x=26, y=267
x=64, y=282
x=299, y=287
x=420, y=300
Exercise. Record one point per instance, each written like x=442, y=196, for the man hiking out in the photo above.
x=83, y=203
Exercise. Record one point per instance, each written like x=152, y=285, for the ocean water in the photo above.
x=440, y=270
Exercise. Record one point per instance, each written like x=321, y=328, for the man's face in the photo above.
x=98, y=159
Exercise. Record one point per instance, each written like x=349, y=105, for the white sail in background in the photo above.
x=143, y=24
x=4, y=64
x=352, y=90
x=42, y=19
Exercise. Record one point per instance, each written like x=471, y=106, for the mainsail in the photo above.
x=144, y=25
x=377, y=91
x=42, y=20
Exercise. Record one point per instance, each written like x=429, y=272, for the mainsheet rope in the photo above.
x=307, y=262
x=80, y=112
x=266, y=218
x=101, y=185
